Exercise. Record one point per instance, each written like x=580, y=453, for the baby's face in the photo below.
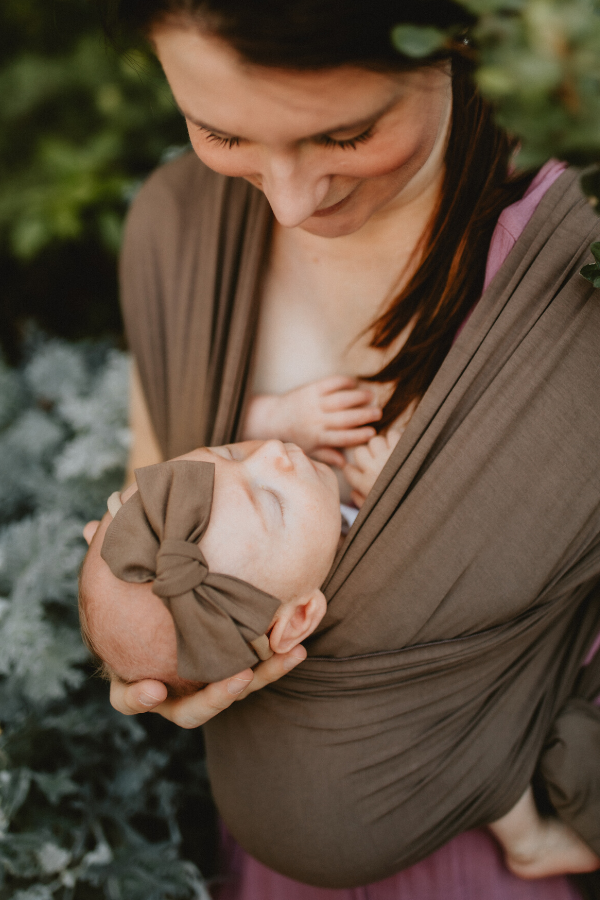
x=275, y=522
x=275, y=517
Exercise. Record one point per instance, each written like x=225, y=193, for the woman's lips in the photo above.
x=331, y=210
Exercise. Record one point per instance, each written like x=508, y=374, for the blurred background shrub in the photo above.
x=93, y=805
x=80, y=127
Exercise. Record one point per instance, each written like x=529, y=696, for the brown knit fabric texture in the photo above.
x=154, y=537
x=467, y=593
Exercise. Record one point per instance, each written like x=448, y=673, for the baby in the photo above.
x=237, y=541
x=266, y=520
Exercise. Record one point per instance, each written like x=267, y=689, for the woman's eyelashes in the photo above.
x=324, y=139
x=220, y=141
x=348, y=143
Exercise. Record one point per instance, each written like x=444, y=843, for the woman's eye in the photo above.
x=219, y=139
x=349, y=143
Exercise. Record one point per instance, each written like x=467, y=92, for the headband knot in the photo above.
x=154, y=537
x=180, y=567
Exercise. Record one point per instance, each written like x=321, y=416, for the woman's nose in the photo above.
x=293, y=190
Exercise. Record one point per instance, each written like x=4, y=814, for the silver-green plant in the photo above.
x=89, y=803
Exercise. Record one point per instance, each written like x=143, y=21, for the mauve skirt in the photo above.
x=470, y=867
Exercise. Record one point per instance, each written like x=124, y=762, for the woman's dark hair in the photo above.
x=478, y=184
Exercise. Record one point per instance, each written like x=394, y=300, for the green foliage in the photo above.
x=541, y=66
x=90, y=801
x=417, y=41
x=539, y=62
x=79, y=126
x=592, y=272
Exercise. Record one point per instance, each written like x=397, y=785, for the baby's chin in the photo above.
x=183, y=688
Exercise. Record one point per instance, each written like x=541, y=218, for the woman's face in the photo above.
x=330, y=149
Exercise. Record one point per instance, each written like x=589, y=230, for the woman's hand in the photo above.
x=198, y=708
x=332, y=412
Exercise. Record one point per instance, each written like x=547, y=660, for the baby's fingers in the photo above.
x=357, y=479
x=330, y=456
x=334, y=383
x=345, y=399
x=352, y=418
x=348, y=438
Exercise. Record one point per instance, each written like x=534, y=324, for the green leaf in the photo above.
x=417, y=41
x=591, y=273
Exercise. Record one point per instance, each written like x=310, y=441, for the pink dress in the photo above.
x=469, y=867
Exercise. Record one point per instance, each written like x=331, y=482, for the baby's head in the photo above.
x=270, y=531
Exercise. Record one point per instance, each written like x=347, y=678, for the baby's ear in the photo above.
x=295, y=620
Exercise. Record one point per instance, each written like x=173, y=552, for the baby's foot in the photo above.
x=554, y=849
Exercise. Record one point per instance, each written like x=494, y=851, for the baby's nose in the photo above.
x=275, y=452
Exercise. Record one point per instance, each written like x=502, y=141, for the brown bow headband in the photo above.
x=154, y=537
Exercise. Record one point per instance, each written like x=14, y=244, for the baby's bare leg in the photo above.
x=537, y=847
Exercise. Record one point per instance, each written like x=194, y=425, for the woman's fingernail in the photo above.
x=147, y=699
x=292, y=661
x=237, y=685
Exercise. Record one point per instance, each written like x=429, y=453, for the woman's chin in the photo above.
x=339, y=225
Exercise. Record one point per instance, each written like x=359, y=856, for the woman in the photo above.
x=463, y=602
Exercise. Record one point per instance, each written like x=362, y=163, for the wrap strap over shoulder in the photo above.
x=154, y=537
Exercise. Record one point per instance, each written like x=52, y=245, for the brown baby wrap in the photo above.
x=466, y=595
x=154, y=537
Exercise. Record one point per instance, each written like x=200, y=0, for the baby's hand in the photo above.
x=329, y=413
x=367, y=462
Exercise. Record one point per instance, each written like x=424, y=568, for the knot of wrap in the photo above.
x=154, y=537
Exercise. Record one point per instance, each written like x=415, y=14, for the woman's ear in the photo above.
x=295, y=620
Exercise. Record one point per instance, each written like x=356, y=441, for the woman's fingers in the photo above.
x=273, y=669
x=140, y=697
x=90, y=529
x=198, y=708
